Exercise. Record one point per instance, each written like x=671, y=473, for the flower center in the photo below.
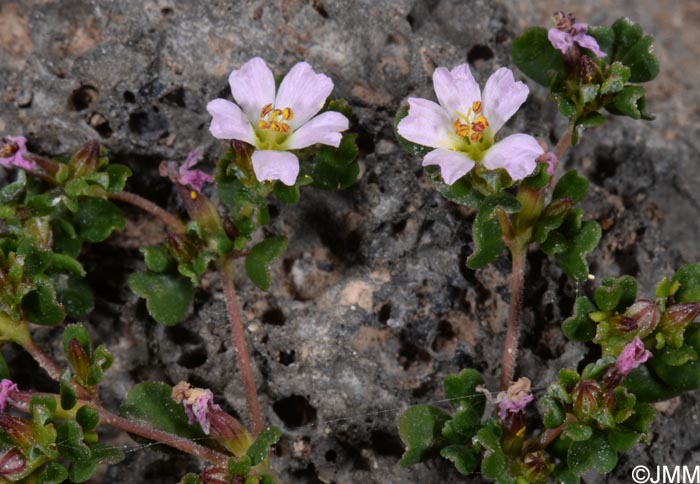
x=274, y=119
x=8, y=149
x=471, y=126
x=564, y=21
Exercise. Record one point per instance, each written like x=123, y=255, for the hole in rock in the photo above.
x=443, y=334
x=129, y=97
x=193, y=358
x=274, y=316
x=287, y=357
x=479, y=53
x=331, y=455
x=318, y=6
x=295, y=411
x=410, y=354
x=181, y=335
x=83, y=97
x=384, y=313
x=149, y=124
x=176, y=97
x=384, y=443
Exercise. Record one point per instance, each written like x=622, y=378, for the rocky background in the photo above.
x=372, y=304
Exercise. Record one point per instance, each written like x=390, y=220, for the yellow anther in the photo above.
x=476, y=107
x=265, y=110
x=287, y=114
x=193, y=195
x=476, y=137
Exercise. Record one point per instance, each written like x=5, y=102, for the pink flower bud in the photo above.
x=632, y=356
x=6, y=386
x=12, y=462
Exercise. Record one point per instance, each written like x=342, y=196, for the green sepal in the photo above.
x=240, y=466
x=167, y=295
x=535, y=56
x=420, y=429
x=260, y=257
x=286, y=194
x=259, y=449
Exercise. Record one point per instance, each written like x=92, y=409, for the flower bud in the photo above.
x=12, y=462
x=217, y=475
x=6, y=386
x=640, y=318
x=86, y=159
x=677, y=318
x=511, y=412
x=19, y=431
x=536, y=466
x=79, y=359
x=586, y=396
x=632, y=356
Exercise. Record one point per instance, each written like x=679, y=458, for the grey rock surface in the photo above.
x=372, y=304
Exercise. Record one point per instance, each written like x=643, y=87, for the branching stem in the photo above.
x=172, y=222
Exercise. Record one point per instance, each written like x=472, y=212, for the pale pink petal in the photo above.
x=6, y=386
x=324, y=128
x=453, y=164
x=456, y=90
x=229, y=122
x=506, y=406
x=427, y=124
x=588, y=42
x=503, y=96
x=16, y=160
x=275, y=165
x=304, y=91
x=517, y=154
x=632, y=356
x=561, y=40
x=253, y=87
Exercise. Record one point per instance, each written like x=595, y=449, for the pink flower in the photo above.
x=463, y=126
x=551, y=160
x=197, y=402
x=194, y=178
x=515, y=399
x=568, y=31
x=12, y=151
x=632, y=356
x=276, y=122
x=6, y=386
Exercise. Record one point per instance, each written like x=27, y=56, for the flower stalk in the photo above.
x=510, y=350
x=239, y=343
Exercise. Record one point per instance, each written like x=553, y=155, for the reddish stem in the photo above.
x=510, y=352
x=172, y=222
x=563, y=144
x=20, y=401
x=239, y=343
x=43, y=359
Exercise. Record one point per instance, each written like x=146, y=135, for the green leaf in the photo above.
x=167, y=295
x=622, y=439
x=12, y=191
x=535, y=56
x=494, y=464
x=65, y=263
x=688, y=277
x=590, y=120
x=157, y=258
x=420, y=429
x=573, y=260
x=578, y=432
x=552, y=413
x=605, y=37
x=286, y=194
x=74, y=294
x=68, y=395
x=486, y=231
x=635, y=50
x=260, y=257
x=572, y=186
x=618, y=74
x=117, y=177
x=151, y=403
x=594, y=453
x=461, y=390
x=65, y=238
x=96, y=218
x=337, y=168
x=630, y=101
x=53, y=473
x=464, y=458
x=41, y=306
x=69, y=439
x=239, y=467
x=87, y=417
x=579, y=327
x=259, y=449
